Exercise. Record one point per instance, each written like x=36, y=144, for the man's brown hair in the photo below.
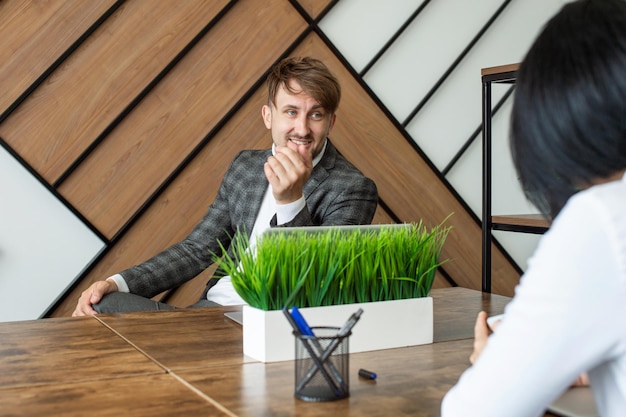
x=314, y=78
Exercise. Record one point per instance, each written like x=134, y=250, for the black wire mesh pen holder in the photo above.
x=322, y=365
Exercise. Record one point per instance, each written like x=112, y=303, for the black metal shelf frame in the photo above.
x=506, y=77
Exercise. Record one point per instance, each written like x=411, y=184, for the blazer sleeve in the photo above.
x=184, y=260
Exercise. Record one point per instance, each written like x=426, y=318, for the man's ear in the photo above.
x=266, y=113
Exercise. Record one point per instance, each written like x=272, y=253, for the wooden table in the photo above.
x=191, y=362
x=80, y=367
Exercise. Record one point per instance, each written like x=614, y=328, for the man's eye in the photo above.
x=291, y=112
x=317, y=116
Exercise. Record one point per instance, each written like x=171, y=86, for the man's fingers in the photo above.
x=91, y=296
x=287, y=171
x=95, y=297
x=306, y=152
x=83, y=307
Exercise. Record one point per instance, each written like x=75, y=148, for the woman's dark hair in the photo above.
x=569, y=112
x=313, y=76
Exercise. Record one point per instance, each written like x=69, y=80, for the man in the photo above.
x=301, y=181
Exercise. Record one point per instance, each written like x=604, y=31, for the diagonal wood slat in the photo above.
x=111, y=185
x=52, y=128
x=314, y=7
x=34, y=35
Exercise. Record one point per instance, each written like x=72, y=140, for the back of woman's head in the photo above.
x=569, y=112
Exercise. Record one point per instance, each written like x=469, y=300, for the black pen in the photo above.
x=343, y=332
x=349, y=324
x=367, y=374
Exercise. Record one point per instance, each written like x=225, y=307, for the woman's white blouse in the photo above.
x=568, y=316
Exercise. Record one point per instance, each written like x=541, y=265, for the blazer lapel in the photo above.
x=257, y=185
x=321, y=170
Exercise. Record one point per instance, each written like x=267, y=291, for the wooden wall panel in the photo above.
x=244, y=131
x=314, y=7
x=100, y=79
x=137, y=157
x=34, y=35
x=185, y=201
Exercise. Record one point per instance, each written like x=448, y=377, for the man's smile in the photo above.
x=300, y=141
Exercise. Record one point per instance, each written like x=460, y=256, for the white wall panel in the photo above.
x=360, y=28
x=459, y=98
x=43, y=246
x=466, y=177
x=520, y=246
x=425, y=51
x=507, y=195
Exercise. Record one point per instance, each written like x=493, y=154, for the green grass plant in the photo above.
x=329, y=267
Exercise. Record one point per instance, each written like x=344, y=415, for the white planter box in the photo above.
x=268, y=337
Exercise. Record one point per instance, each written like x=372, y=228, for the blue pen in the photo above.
x=304, y=327
x=291, y=321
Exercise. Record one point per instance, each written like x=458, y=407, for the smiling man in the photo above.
x=301, y=181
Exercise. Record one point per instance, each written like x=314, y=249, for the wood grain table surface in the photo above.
x=43, y=352
x=411, y=382
x=190, y=362
x=148, y=395
x=455, y=310
x=180, y=339
x=185, y=338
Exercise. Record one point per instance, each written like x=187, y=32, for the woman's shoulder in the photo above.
x=609, y=197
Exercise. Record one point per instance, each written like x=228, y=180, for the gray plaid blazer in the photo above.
x=336, y=194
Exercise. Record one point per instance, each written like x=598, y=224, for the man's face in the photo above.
x=297, y=120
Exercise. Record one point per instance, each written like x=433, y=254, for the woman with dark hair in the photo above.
x=568, y=143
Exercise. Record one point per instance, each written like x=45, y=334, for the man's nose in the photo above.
x=301, y=125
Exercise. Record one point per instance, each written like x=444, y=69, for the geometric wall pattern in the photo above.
x=128, y=112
